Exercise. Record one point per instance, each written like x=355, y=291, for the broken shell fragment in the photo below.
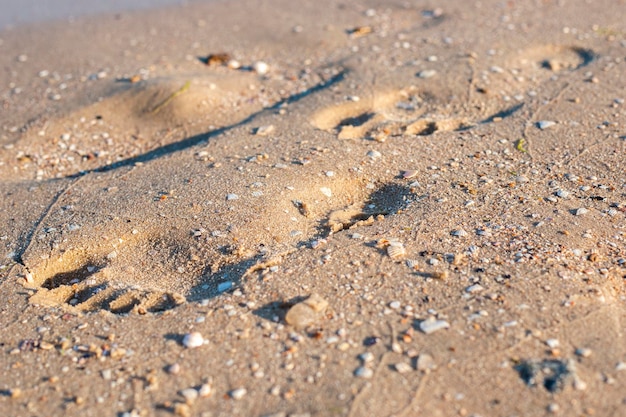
x=306, y=312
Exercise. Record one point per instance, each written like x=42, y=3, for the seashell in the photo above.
x=459, y=233
x=412, y=263
x=396, y=250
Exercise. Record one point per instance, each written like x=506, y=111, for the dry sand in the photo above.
x=449, y=184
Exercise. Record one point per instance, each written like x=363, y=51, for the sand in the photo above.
x=315, y=209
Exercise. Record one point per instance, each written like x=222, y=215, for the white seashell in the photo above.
x=374, y=154
x=193, y=340
x=459, y=233
x=431, y=325
x=396, y=250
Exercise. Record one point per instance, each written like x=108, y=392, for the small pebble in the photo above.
x=402, y=367
x=545, y=124
x=363, y=372
x=580, y=211
x=583, y=352
x=552, y=343
x=189, y=394
x=193, y=340
x=205, y=390
x=173, y=369
x=459, y=233
x=265, y=130
x=261, y=67
x=425, y=363
x=427, y=73
x=238, y=394
x=474, y=289
x=431, y=325
x=563, y=193
x=374, y=154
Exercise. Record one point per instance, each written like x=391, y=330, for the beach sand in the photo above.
x=330, y=208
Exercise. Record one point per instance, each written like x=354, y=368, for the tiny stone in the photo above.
x=363, y=372
x=402, y=367
x=190, y=395
x=205, y=390
x=544, y=124
x=427, y=73
x=474, y=288
x=580, y=211
x=425, y=362
x=374, y=154
x=431, y=325
x=459, y=233
x=583, y=352
x=552, y=343
x=193, y=340
x=261, y=67
x=563, y=193
x=326, y=191
x=394, y=304
x=173, y=369
x=238, y=394
x=232, y=196
x=265, y=130
x=366, y=357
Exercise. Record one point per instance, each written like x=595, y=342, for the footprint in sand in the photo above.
x=416, y=112
x=187, y=220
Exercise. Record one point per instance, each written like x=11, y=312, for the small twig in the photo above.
x=171, y=97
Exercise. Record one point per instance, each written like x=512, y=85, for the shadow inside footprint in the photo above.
x=71, y=277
